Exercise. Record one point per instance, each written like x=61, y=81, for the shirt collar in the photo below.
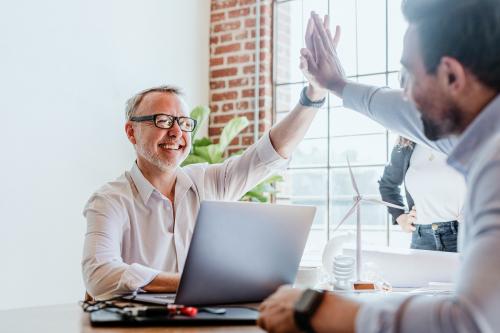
x=145, y=188
x=486, y=124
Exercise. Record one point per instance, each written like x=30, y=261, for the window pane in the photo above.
x=365, y=149
x=371, y=36
x=348, y=122
x=343, y=13
x=318, y=128
x=397, y=27
x=288, y=41
x=304, y=184
x=287, y=96
x=366, y=179
x=310, y=152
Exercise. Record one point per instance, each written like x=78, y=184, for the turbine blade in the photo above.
x=381, y=202
x=353, y=181
x=349, y=213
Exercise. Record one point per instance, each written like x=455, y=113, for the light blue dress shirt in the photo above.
x=475, y=305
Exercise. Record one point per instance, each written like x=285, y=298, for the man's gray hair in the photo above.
x=134, y=101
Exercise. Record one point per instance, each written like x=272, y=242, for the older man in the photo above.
x=451, y=52
x=139, y=226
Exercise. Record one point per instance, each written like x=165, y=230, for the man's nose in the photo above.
x=175, y=131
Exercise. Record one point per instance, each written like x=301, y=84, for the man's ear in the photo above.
x=129, y=130
x=452, y=75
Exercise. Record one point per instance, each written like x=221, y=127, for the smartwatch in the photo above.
x=305, y=308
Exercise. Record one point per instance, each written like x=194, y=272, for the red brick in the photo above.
x=238, y=59
x=224, y=72
x=244, y=105
x=215, y=17
x=239, y=12
x=247, y=140
x=226, y=38
x=241, y=35
x=224, y=119
x=229, y=26
x=214, y=40
x=240, y=82
x=217, y=84
x=216, y=61
x=228, y=48
x=216, y=97
x=228, y=107
x=215, y=131
x=222, y=4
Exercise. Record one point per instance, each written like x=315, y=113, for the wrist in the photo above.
x=335, y=314
x=315, y=93
x=337, y=87
x=305, y=308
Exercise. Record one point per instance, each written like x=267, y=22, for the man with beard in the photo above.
x=139, y=226
x=451, y=52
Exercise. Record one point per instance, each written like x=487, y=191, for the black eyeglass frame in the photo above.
x=154, y=116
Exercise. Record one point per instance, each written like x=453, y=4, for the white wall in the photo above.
x=66, y=69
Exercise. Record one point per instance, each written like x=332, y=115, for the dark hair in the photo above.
x=467, y=30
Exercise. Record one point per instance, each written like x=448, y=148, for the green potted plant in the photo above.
x=205, y=151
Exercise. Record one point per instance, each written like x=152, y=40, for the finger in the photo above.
x=320, y=29
x=413, y=228
x=309, y=33
x=320, y=47
x=336, y=38
x=261, y=322
x=312, y=67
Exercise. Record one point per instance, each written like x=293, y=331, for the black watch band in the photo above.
x=305, y=101
x=305, y=308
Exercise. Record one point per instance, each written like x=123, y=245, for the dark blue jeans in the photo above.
x=436, y=237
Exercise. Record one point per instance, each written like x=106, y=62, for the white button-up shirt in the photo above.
x=131, y=231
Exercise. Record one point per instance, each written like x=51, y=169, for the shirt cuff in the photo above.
x=137, y=276
x=269, y=156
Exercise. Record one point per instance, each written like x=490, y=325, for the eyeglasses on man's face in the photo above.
x=166, y=121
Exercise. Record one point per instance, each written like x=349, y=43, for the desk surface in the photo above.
x=70, y=318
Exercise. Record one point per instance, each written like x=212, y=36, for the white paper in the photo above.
x=407, y=268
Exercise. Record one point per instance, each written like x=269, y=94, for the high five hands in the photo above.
x=319, y=61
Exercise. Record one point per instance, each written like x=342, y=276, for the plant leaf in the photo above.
x=230, y=131
x=192, y=159
x=202, y=142
x=200, y=113
x=211, y=153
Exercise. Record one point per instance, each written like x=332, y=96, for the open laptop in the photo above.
x=240, y=253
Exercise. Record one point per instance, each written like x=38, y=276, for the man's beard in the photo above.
x=450, y=124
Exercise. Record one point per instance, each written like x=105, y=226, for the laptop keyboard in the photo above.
x=165, y=297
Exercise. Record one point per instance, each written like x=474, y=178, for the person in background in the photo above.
x=437, y=190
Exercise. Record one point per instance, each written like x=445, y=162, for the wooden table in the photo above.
x=69, y=318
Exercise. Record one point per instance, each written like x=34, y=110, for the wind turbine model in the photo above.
x=358, y=199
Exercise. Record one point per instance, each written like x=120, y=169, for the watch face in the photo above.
x=307, y=301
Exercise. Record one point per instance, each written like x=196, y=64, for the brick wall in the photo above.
x=232, y=67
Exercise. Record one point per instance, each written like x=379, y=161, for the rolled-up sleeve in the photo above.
x=104, y=272
x=231, y=179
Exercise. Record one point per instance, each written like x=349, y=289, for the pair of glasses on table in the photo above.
x=166, y=121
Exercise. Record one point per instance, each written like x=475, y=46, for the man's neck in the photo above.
x=478, y=98
x=163, y=180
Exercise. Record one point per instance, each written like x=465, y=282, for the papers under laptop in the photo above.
x=240, y=253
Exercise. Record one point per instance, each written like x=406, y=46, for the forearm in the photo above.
x=163, y=283
x=286, y=135
x=335, y=314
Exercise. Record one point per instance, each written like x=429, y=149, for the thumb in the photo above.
x=311, y=64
